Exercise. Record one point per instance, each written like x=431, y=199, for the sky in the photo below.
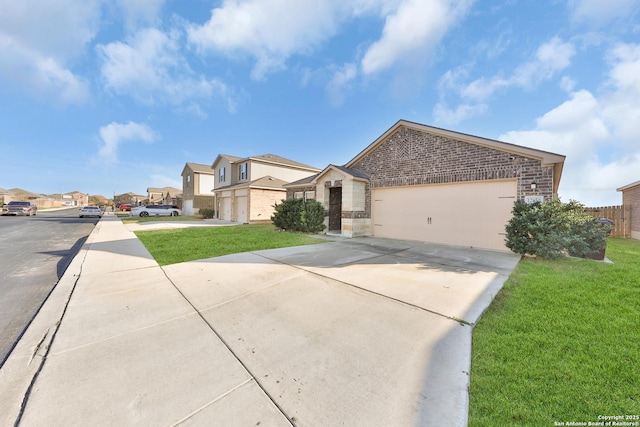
x=108, y=97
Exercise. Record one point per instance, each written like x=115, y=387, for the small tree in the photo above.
x=299, y=215
x=553, y=229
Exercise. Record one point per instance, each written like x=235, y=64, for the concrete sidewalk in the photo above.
x=292, y=336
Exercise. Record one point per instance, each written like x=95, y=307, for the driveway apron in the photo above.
x=354, y=332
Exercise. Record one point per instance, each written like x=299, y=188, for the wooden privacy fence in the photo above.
x=620, y=215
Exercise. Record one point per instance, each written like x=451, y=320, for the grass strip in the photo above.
x=560, y=343
x=189, y=244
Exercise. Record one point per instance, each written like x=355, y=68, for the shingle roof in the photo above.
x=264, y=182
x=273, y=158
x=198, y=167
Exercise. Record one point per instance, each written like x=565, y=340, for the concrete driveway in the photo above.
x=358, y=331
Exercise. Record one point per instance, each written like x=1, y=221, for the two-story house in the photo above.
x=247, y=188
x=163, y=196
x=197, y=188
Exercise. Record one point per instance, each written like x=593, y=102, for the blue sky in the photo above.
x=114, y=96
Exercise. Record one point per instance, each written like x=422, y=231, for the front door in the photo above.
x=335, y=209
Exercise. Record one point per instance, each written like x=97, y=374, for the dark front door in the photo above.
x=335, y=209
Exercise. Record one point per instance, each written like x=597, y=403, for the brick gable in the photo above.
x=414, y=157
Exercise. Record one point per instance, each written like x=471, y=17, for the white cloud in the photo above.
x=270, y=31
x=39, y=39
x=150, y=68
x=412, y=31
x=550, y=58
x=443, y=114
x=114, y=134
x=340, y=83
x=599, y=135
x=140, y=12
x=598, y=12
x=622, y=108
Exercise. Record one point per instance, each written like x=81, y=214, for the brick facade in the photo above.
x=412, y=157
x=410, y=154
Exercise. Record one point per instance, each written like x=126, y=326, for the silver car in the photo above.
x=88, y=211
x=156, y=210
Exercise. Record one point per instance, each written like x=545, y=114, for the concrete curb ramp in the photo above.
x=356, y=332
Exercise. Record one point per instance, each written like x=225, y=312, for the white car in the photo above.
x=87, y=211
x=156, y=210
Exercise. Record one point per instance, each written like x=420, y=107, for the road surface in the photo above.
x=34, y=253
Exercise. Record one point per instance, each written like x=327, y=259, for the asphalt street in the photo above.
x=34, y=253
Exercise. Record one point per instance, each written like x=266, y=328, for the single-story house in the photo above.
x=417, y=182
x=631, y=198
x=247, y=188
x=197, y=188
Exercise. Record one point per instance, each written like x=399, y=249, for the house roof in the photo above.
x=303, y=182
x=198, y=167
x=312, y=180
x=230, y=159
x=263, y=182
x=629, y=186
x=546, y=158
x=266, y=158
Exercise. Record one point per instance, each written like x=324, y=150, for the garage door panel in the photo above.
x=469, y=214
x=242, y=205
x=225, y=209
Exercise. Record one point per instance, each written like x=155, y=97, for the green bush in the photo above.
x=554, y=229
x=299, y=215
x=207, y=213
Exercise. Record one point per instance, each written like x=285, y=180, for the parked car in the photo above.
x=156, y=210
x=125, y=207
x=88, y=211
x=15, y=207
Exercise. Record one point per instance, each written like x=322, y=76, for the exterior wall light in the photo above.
x=534, y=185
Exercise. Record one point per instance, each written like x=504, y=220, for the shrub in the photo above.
x=207, y=213
x=299, y=215
x=554, y=229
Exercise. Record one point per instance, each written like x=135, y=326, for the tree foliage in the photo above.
x=554, y=229
x=299, y=215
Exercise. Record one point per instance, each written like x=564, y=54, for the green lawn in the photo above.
x=188, y=244
x=560, y=343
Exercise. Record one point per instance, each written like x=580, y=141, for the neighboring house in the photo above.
x=128, y=198
x=417, y=182
x=76, y=198
x=246, y=189
x=631, y=198
x=162, y=196
x=197, y=188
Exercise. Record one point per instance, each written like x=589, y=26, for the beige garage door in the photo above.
x=225, y=208
x=242, y=209
x=469, y=214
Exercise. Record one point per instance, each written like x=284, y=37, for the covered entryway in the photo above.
x=335, y=209
x=465, y=214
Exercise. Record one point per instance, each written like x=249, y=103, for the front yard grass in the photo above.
x=560, y=343
x=189, y=244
